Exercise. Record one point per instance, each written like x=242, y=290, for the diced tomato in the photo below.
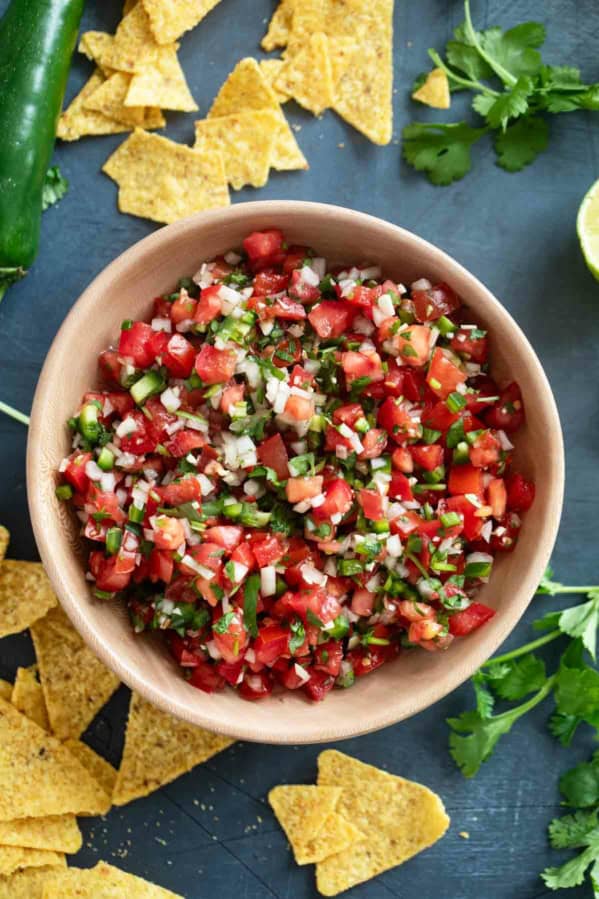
x=328, y=656
x=75, y=474
x=465, y=479
x=184, y=442
x=135, y=343
x=363, y=297
x=183, y=651
x=348, y=415
x=268, y=282
x=300, y=489
x=110, y=366
x=427, y=457
x=362, y=365
x=209, y=305
x=183, y=308
x=497, y=497
x=508, y=413
x=471, y=344
x=339, y=498
x=287, y=352
x=395, y=418
x=364, y=660
x=402, y=460
x=272, y=453
x=271, y=643
x=231, y=671
x=362, y=602
x=374, y=444
x=300, y=408
x=426, y=629
x=472, y=522
x=411, y=344
x=231, y=396
x=264, y=248
x=431, y=304
x=443, y=375
x=400, y=488
x=215, y=366
x=439, y=418
x=331, y=318
x=176, y=493
x=231, y=644
x=267, y=548
x=179, y=356
x=484, y=452
x=372, y=504
x=114, y=573
x=226, y=535
x=319, y=685
x=301, y=290
x=283, y=308
x=169, y=533
x=161, y=566
x=256, y=686
x=290, y=679
x=323, y=606
x=294, y=258
x=520, y=493
x=205, y=677
x=468, y=620
x=301, y=378
x=243, y=555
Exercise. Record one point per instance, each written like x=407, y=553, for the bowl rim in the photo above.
x=380, y=716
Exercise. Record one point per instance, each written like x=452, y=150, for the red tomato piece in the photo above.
x=339, y=498
x=372, y=504
x=108, y=360
x=301, y=290
x=272, y=453
x=427, y=457
x=136, y=344
x=362, y=365
x=209, y=305
x=271, y=643
x=395, y=418
x=183, y=308
x=184, y=442
x=268, y=282
x=520, y=493
x=215, y=366
x=331, y=318
x=319, y=685
x=168, y=533
x=484, y=452
x=228, y=536
x=465, y=479
x=75, y=474
x=468, y=620
x=179, y=356
x=471, y=344
x=497, y=497
x=299, y=489
x=362, y=602
x=374, y=443
x=431, y=304
x=176, y=493
x=267, y=548
x=206, y=677
x=508, y=414
x=161, y=566
x=264, y=248
x=400, y=488
x=328, y=657
x=232, y=643
x=443, y=375
x=256, y=686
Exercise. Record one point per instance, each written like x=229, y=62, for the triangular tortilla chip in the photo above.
x=165, y=181
x=109, y=99
x=302, y=811
x=161, y=83
x=28, y=697
x=27, y=884
x=169, y=19
x=59, y=833
x=75, y=683
x=4, y=541
x=102, y=882
x=309, y=17
x=247, y=89
x=77, y=121
x=335, y=835
x=271, y=69
x=308, y=75
x=13, y=858
x=435, y=90
x=133, y=46
x=279, y=26
x=159, y=748
x=245, y=140
x=340, y=51
x=25, y=595
x=101, y=770
x=6, y=689
x=398, y=818
x=95, y=45
x=38, y=774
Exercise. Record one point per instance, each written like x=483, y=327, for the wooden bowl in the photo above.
x=125, y=290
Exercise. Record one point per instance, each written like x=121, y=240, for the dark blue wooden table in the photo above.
x=211, y=834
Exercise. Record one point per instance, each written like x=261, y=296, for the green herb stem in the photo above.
x=499, y=70
x=524, y=650
x=14, y=413
x=463, y=82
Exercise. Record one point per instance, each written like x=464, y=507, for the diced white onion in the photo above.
x=232, y=258
x=394, y=547
x=93, y=471
x=162, y=324
x=126, y=427
x=309, y=276
x=170, y=399
x=421, y=284
x=268, y=581
x=371, y=273
x=504, y=440
x=303, y=675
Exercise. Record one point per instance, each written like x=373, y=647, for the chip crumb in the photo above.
x=464, y=834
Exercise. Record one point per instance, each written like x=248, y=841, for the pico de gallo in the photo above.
x=296, y=470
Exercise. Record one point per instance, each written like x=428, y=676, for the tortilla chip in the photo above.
x=128, y=6
x=165, y=181
x=28, y=697
x=162, y=84
x=246, y=141
x=76, y=121
x=271, y=69
x=159, y=748
x=102, y=882
x=302, y=811
x=109, y=99
x=38, y=774
x=59, y=833
x=340, y=53
x=101, y=770
x=335, y=835
x=308, y=75
x=27, y=884
x=12, y=858
x=25, y=595
x=279, y=26
x=95, y=45
x=133, y=46
x=398, y=818
x=153, y=119
x=75, y=683
x=6, y=689
x=169, y=19
x=309, y=17
x=247, y=89
x=435, y=90
x=4, y=541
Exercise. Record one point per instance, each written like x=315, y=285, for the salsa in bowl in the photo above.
x=296, y=470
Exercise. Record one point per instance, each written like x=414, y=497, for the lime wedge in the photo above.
x=587, y=228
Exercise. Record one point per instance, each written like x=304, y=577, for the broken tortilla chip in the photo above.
x=77, y=121
x=308, y=75
x=247, y=89
x=59, y=833
x=38, y=774
x=363, y=94
x=101, y=770
x=102, y=882
x=13, y=858
x=309, y=17
x=6, y=689
x=335, y=835
x=95, y=45
x=271, y=69
x=169, y=19
x=4, y=541
x=434, y=91
x=28, y=697
x=161, y=83
x=75, y=683
x=279, y=26
x=398, y=818
x=245, y=140
x=26, y=884
x=25, y=595
x=302, y=811
x=159, y=748
x=109, y=99
x=133, y=45
x=164, y=181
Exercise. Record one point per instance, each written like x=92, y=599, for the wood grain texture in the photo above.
x=202, y=836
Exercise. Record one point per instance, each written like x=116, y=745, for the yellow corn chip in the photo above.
x=76, y=121
x=102, y=882
x=38, y=774
x=398, y=818
x=133, y=46
x=6, y=689
x=4, y=541
x=12, y=858
x=95, y=45
x=59, y=833
x=335, y=835
x=169, y=19
x=279, y=26
x=165, y=181
x=75, y=683
x=159, y=748
x=246, y=141
x=271, y=69
x=26, y=884
x=435, y=90
x=247, y=89
x=25, y=595
x=109, y=99
x=28, y=697
x=302, y=811
x=128, y=6
x=153, y=118
x=308, y=75
x=101, y=770
x=309, y=17
x=162, y=84
x=340, y=53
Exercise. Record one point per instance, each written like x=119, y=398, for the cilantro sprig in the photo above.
x=513, y=91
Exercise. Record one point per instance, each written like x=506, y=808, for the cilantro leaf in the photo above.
x=299, y=635
x=577, y=693
x=250, y=602
x=442, y=151
x=582, y=621
x=510, y=104
x=523, y=676
x=572, y=831
x=484, y=699
x=548, y=585
x=521, y=143
x=515, y=50
x=463, y=55
x=572, y=873
x=563, y=727
x=54, y=188
x=222, y=625
x=580, y=785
